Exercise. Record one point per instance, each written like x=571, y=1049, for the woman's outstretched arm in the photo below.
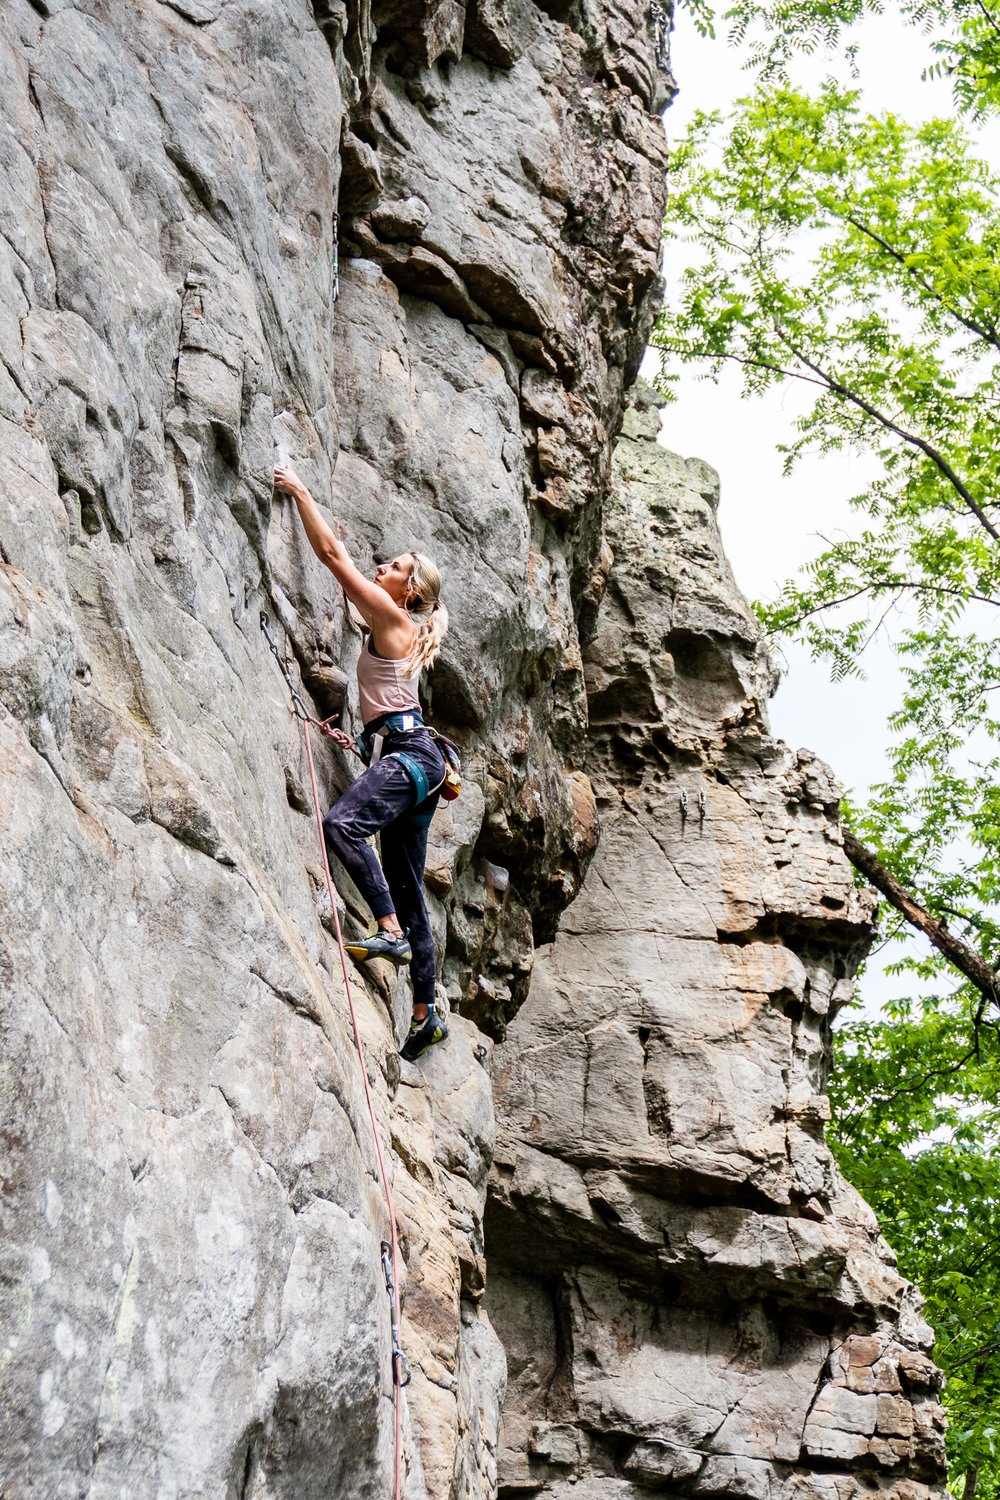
x=373, y=602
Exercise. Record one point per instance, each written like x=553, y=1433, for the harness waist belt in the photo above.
x=387, y=723
x=370, y=741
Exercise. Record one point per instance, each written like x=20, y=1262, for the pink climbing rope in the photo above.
x=398, y=1358
x=390, y=1252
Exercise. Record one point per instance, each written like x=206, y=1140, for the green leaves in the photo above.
x=915, y=1128
x=963, y=39
x=860, y=257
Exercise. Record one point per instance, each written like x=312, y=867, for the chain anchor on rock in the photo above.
x=401, y=1373
x=298, y=707
x=325, y=726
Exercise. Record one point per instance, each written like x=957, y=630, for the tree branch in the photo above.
x=849, y=1125
x=971, y=1487
x=969, y=324
x=964, y=958
x=913, y=439
x=898, y=584
x=989, y=17
x=740, y=359
x=881, y=621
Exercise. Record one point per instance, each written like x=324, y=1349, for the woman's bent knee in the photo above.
x=335, y=827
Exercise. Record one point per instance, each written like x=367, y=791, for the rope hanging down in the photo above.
x=390, y=1249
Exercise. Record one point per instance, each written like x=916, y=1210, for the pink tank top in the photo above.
x=384, y=685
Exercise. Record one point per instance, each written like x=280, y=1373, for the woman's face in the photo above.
x=394, y=577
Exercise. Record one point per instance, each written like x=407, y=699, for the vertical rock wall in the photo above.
x=692, y=1301
x=191, y=1298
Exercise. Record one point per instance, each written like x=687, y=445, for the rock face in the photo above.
x=192, y=1299
x=192, y=1292
x=692, y=1301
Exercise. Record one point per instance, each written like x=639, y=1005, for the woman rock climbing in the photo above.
x=398, y=793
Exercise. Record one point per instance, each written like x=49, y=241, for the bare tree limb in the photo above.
x=896, y=583
x=964, y=958
x=760, y=364
x=912, y=438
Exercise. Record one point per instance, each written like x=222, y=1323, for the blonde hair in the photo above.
x=425, y=599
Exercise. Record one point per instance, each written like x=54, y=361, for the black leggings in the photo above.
x=383, y=800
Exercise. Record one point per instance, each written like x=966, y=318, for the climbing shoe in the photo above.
x=423, y=1034
x=381, y=944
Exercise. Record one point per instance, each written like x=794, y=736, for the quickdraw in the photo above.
x=661, y=32
x=401, y=1372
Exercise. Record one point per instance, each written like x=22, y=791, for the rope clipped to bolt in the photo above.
x=389, y=1249
x=325, y=726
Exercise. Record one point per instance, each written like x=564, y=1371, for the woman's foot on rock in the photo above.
x=423, y=1034
x=381, y=944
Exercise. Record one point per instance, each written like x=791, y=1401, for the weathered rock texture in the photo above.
x=692, y=1301
x=191, y=1298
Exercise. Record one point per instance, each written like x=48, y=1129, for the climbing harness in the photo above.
x=370, y=742
x=369, y=745
x=390, y=1248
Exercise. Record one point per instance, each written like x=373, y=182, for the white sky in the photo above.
x=769, y=523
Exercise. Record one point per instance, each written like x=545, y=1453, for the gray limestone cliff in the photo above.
x=691, y=1299
x=418, y=240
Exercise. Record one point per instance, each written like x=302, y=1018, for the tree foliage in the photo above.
x=915, y=1120
x=963, y=38
x=861, y=257
x=858, y=256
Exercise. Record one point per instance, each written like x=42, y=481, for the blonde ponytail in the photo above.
x=424, y=600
